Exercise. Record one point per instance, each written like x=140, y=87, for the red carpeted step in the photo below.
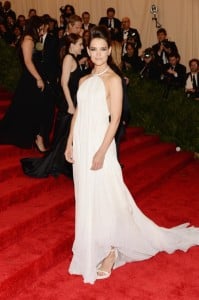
x=24, y=218
x=146, y=154
x=10, y=151
x=133, y=131
x=150, y=175
x=25, y=265
x=21, y=188
x=25, y=260
x=162, y=277
x=137, y=142
x=11, y=166
x=37, y=222
x=178, y=196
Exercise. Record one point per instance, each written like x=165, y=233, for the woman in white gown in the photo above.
x=110, y=229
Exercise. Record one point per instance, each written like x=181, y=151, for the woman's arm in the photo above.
x=115, y=101
x=69, y=146
x=27, y=49
x=68, y=66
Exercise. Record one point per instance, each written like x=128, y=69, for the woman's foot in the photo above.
x=39, y=143
x=105, y=267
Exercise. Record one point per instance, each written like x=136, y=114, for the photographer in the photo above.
x=173, y=75
x=150, y=68
x=164, y=47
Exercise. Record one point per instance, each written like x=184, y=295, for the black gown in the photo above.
x=21, y=122
x=53, y=162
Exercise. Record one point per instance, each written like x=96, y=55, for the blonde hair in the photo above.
x=116, y=53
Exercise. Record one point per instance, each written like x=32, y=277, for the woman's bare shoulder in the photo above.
x=28, y=38
x=113, y=78
x=68, y=58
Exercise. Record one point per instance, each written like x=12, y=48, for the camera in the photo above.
x=132, y=39
x=148, y=53
x=166, y=44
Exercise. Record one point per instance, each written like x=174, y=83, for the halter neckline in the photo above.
x=101, y=73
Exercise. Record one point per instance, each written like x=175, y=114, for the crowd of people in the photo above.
x=110, y=230
x=160, y=61
x=42, y=45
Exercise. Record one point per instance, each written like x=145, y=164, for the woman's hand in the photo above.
x=98, y=161
x=69, y=154
x=40, y=84
x=71, y=109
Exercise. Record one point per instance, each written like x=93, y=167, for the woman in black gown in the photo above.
x=21, y=123
x=54, y=163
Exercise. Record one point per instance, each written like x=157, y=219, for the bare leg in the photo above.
x=40, y=143
x=105, y=268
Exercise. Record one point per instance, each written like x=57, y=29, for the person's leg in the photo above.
x=105, y=267
x=47, y=116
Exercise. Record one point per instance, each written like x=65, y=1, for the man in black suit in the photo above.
x=8, y=12
x=113, y=24
x=129, y=34
x=192, y=79
x=50, y=71
x=86, y=25
x=164, y=47
x=174, y=74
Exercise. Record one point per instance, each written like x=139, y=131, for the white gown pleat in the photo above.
x=106, y=213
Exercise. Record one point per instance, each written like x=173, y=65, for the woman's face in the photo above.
x=77, y=47
x=99, y=51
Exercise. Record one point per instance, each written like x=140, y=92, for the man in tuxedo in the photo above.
x=174, y=74
x=113, y=24
x=130, y=35
x=192, y=79
x=86, y=25
x=50, y=71
x=7, y=11
x=164, y=47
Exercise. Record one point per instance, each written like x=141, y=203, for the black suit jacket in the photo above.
x=90, y=26
x=156, y=47
x=133, y=34
x=105, y=21
x=189, y=73
x=171, y=80
x=196, y=93
x=115, y=32
x=50, y=58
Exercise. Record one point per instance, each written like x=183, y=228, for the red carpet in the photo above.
x=37, y=226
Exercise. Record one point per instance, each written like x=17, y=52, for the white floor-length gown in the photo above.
x=106, y=214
